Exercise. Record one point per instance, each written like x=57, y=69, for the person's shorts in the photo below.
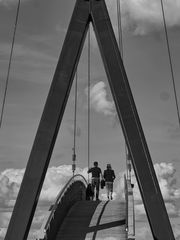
x=109, y=186
x=95, y=183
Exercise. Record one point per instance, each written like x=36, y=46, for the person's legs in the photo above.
x=97, y=188
x=93, y=182
x=107, y=189
x=111, y=189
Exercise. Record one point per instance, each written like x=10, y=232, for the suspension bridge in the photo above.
x=71, y=216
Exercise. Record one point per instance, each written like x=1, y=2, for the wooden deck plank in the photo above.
x=94, y=220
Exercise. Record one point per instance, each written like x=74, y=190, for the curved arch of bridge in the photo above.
x=73, y=191
x=73, y=217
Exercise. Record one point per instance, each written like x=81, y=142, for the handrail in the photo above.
x=130, y=214
x=126, y=200
x=59, y=196
x=54, y=206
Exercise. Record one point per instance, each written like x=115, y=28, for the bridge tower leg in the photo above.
x=87, y=11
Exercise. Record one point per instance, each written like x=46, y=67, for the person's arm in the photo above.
x=104, y=175
x=114, y=175
x=89, y=170
x=101, y=174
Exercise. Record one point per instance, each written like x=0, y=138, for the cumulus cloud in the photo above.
x=57, y=177
x=165, y=173
x=39, y=217
x=139, y=16
x=143, y=231
x=10, y=181
x=144, y=16
x=4, y=221
x=55, y=180
x=2, y=232
x=99, y=101
x=176, y=230
x=171, y=209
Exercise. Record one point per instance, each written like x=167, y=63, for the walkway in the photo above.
x=94, y=220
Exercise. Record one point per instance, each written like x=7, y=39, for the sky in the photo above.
x=40, y=34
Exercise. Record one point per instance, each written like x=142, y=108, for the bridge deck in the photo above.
x=90, y=220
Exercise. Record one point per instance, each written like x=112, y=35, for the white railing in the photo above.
x=48, y=218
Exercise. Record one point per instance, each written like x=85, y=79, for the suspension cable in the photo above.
x=89, y=77
x=75, y=126
x=10, y=61
x=170, y=61
x=120, y=42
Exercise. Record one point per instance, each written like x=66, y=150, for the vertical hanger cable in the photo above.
x=10, y=61
x=89, y=76
x=75, y=125
x=120, y=42
x=170, y=61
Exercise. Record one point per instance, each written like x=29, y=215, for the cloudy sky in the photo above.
x=40, y=34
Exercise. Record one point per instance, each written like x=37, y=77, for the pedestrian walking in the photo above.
x=109, y=177
x=95, y=179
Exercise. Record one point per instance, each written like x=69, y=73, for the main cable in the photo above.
x=75, y=125
x=10, y=61
x=88, y=93
x=170, y=61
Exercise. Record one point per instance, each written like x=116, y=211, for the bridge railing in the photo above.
x=67, y=199
x=130, y=214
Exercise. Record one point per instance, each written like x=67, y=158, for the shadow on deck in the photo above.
x=94, y=220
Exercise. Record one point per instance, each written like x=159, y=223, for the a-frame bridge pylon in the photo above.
x=87, y=11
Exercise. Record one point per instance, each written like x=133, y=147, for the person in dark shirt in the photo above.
x=109, y=177
x=95, y=180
